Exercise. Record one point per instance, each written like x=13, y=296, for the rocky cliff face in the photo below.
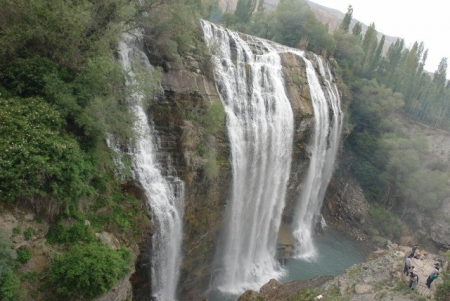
x=177, y=116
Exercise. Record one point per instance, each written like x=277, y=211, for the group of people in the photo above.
x=410, y=270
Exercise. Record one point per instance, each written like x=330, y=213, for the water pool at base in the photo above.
x=336, y=253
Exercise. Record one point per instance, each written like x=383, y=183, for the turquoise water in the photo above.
x=336, y=252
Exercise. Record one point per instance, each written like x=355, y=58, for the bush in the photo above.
x=214, y=117
x=71, y=234
x=9, y=285
x=35, y=159
x=87, y=271
x=443, y=289
x=386, y=222
x=6, y=254
x=28, y=233
x=23, y=255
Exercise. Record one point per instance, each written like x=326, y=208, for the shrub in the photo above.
x=28, y=233
x=87, y=271
x=35, y=159
x=6, y=254
x=214, y=117
x=443, y=289
x=71, y=234
x=386, y=222
x=23, y=255
x=9, y=285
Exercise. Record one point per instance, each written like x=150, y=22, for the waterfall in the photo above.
x=323, y=149
x=165, y=193
x=260, y=128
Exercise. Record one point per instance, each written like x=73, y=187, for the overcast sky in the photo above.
x=423, y=21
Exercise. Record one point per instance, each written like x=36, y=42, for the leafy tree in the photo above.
x=296, y=24
x=345, y=24
x=369, y=45
x=66, y=32
x=440, y=76
x=87, y=271
x=244, y=10
x=357, y=30
x=170, y=29
x=36, y=160
x=348, y=53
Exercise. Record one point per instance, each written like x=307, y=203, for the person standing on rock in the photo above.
x=407, y=264
x=414, y=280
x=413, y=250
x=434, y=274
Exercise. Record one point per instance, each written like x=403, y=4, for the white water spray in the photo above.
x=165, y=194
x=323, y=149
x=260, y=128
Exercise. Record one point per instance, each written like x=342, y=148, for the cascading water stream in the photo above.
x=323, y=151
x=165, y=194
x=260, y=128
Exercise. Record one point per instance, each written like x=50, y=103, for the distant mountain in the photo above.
x=333, y=18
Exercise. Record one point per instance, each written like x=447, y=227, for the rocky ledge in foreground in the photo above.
x=380, y=278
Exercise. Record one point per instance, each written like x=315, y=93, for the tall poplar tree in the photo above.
x=357, y=29
x=244, y=10
x=345, y=25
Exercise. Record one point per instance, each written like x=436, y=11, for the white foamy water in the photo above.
x=260, y=128
x=165, y=194
x=323, y=149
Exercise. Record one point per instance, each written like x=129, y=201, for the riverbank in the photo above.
x=380, y=278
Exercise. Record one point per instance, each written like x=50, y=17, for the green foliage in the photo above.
x=9, y=286
x=171, y=29
x=28, y=233
x=443, y=289
x=87, y=271
x=357, y=29
x=348, y=53
x=66, y=32
x=25, y=77
x=345, y=24
x=305, y=295
x=35, y=158
x=368, y=177
x=23, y=255
x=119, y=212
x=214, y=117
x=386, y=222
x=244, y=10
x=7, y=255
x=211, y=167
x=77, y=232
x=297, y=26
x=29, y=277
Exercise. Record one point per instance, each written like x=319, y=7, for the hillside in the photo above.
x=333, y=19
